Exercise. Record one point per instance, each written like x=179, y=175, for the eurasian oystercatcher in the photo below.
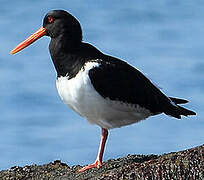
x=103, y=89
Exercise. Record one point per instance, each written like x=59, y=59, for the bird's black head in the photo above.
x=56, y=24
x=60, y=22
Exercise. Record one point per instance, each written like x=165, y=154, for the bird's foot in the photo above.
x=96, y=164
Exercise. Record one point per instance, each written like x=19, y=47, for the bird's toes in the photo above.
x=96, y=164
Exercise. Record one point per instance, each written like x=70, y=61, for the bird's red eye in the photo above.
x=50, y=19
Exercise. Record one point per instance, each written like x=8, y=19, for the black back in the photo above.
x=117, y=80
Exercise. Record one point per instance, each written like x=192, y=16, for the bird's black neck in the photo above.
x=69, y=56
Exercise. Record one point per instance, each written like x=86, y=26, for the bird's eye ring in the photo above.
x=50, y=19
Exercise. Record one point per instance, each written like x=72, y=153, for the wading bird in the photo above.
x=103, y=89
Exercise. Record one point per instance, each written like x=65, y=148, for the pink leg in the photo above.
x=98, y=162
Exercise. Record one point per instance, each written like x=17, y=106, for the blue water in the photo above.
x=164, y=39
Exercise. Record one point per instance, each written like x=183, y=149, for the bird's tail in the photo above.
x=175, y=110
x=178, y=100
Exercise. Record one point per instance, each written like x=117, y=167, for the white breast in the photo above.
x=79, y=94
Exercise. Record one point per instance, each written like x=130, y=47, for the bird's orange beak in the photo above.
x=38, y=34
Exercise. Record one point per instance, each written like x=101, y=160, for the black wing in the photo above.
x=117, y=80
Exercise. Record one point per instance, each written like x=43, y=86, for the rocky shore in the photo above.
x=183, y=165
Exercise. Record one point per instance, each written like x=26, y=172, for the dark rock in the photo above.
x=183, y=165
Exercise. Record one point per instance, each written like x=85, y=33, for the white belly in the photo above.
x=79, y=94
